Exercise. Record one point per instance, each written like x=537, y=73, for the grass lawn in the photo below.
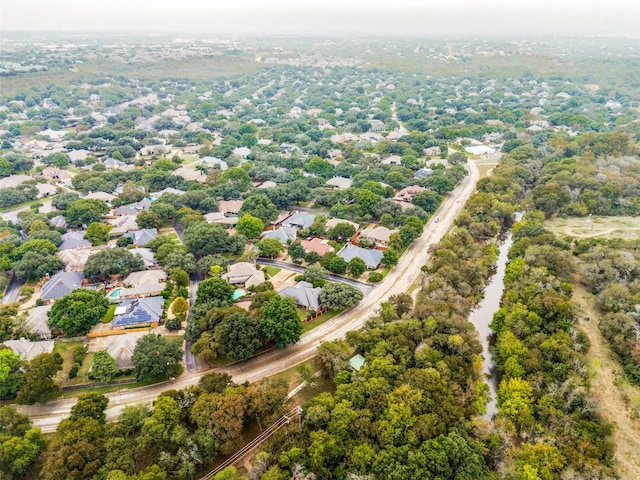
x=627, y=228
x=270, y=271
x=83, y=372
x=110, y=313
x=65, y=350
x=319, y=320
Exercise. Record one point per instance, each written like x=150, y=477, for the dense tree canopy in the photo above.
x=77, y=312
x=111, y=261
x=157, y=356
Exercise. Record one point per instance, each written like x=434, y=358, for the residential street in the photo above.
x=271, y=362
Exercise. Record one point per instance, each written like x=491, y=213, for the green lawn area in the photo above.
x=110, y=313
x=65, y=350
x=319, y=320
x=83, y=372
x=270, y=271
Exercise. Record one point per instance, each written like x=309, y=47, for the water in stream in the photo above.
x=481, y=318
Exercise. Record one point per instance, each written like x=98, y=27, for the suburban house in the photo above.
x=318, y=245
x=138, y=311
x=243, y=273
x=142, y=237
x=58, y=222
x=219, y=217
x=432, y=151
x=148, y=258
x=423, y=172
x=268, y=184
x=55, y=173
x=242, y=152
x=303, y=294
x=74, y=239
x=173, y=191
x=134, y=208
x=105, y=197
x=284, y=235
x=28, y=349
x=299, y=220
x=379, y=235
x=190, y=174
x=37, y=322
x=407, y=193
x=370, y=257
x=214, y=162
x=377, y=125
x=121, y=347
x=61, y=284
x=74, y=259
x=46, y=190
x=340, y=183
x=122, y=225
x=332, y=222
x=357, y=362
x=112, y=163
x=392, y=160
x=230, y=208
x=141, y=284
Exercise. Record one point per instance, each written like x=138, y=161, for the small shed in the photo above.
x=357, y=362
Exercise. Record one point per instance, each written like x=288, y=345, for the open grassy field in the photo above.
x=617, y=400
x=602, y=227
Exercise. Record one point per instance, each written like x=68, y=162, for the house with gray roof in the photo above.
x=148, y=258
x=28, y=349
x=74, y=239
x=174, y=191
x=243, y=273
x=370, y=257
x=111, y=163
x=299, y=220
x=423, y=172
x=341, y=183
x=61, y=284
x=214, y=162
x=142, y=237
x=138, y=311
x=134, y=208
x=303, y=294
x=121, y=347
x=284, y=235
x=37, y=322
x=58, y=221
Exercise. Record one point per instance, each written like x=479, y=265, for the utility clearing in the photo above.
x=618, y=401
x=595, y=227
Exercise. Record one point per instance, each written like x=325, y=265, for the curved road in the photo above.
x=399, y=279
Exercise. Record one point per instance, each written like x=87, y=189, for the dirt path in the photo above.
x=613, y=395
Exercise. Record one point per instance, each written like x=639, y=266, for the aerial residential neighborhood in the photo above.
x=375, y=259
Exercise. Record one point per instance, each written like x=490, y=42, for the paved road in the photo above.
x=399, y=279
x=363, y=287
x=13, y=291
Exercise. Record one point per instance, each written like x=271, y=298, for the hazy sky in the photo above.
x=327, y=17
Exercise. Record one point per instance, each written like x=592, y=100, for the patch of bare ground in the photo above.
x=618, y=401
x=603, y=227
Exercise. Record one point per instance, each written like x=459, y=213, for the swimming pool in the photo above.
x=115, y=294
x=238, y=293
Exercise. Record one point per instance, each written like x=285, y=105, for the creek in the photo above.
x=481, y=318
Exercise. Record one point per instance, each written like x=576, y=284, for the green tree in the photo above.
x=85, y=211
x=179, y=259
x=239, y=335
x=103, y=367
x=389, y=258
x=427, y=200
x=250, y=226
x=37, y=245
x=340, y=295
x=337, y=265
x=98, y=232
x=19, y=448
x=215, y=292
x=35, y=265
x=280, y=321
x=259, y=206
x=111, y=261
x=334, y=357
x=90, y=405
x=202, y=238
x=269, y=247
x=356, y=267
x=78, y=311
x=149, y=219
x=10, y=374
x=341, y=232
x=156, y=356
x=38, y=385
